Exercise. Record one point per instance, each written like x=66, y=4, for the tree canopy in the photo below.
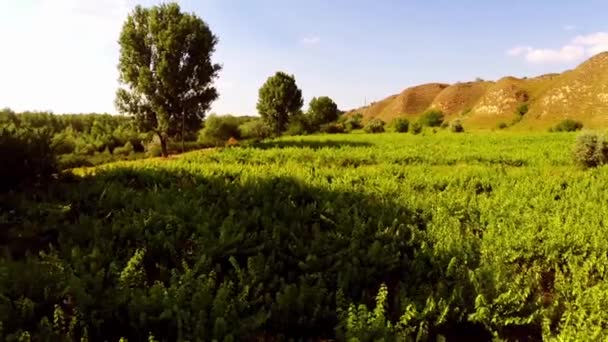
x=322, y=110
x=166, y=72
x=279, y=99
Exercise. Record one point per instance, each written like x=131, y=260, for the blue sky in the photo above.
x=61, y=55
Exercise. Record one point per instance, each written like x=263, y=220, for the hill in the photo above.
x=580, y=94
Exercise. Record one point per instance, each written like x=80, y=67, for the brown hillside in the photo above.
x=460, y=98
x=580, y=94
x=409, y=103
x=499, y=103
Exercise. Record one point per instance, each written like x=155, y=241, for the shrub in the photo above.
x=502, y=125
x=255, y=129
x=431, y=118
x=374, y=126
x=591, y=150
x=332, y=128
x=401, y=125
x=125, y=150
x=444, y=125
x=416, y=128
x=298, y=125
x=352, y=122
x=27, y=156
x=457, y=127
x=218, y=129
x=568, y=125
x=522, y=109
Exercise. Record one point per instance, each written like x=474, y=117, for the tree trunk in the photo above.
x=163, y=144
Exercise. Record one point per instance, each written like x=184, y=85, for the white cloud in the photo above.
x=594, y=43
x=568, y=53
x=578, y=48
x=310, y=40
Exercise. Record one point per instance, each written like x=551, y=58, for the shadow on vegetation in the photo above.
x=312, y=144
x=185, y=256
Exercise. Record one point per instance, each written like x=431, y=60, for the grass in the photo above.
x=489, y=233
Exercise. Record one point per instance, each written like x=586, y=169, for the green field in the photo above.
x=362, y=237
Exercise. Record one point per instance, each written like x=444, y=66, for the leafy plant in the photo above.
x=431, y=118
x=374, y=126
x=456, y=126
x=568, y=125
x=416, y=128
x=401, y=125
x=591, y=150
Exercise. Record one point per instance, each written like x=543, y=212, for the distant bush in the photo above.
x=502, y=125
x=374, y=126
x=125, y=150
x=568, y=125
x=416, y=128
x=27, y=156
x=352, y=122
x=431, y=118
x=332, y=128
x=444, y=125
x=255, y=129
x=299, y=125
x=591, y=150
x=457, y=127
x=401, y=125
x=218, y=129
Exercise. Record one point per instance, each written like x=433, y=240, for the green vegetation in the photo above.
x=218, y=130
x=166, y=71
x=367, y=236
x=456, y=127
x=567, y=125
x=502, y=125
x=431, y=118
x=322, y=110
x=279, y=100
x=351, y=237
x=374, y=126
x=400, y=125
x=352, y=122
x=416, y=128
x=591, y=150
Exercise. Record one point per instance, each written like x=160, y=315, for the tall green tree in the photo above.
x=279, y=99
x=322, y=110
x=166, y=72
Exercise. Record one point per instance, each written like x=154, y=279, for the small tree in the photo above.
x=279, y=98
x=431, y=118
x=322, y=110
x=166, y=71
x=401, y=125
